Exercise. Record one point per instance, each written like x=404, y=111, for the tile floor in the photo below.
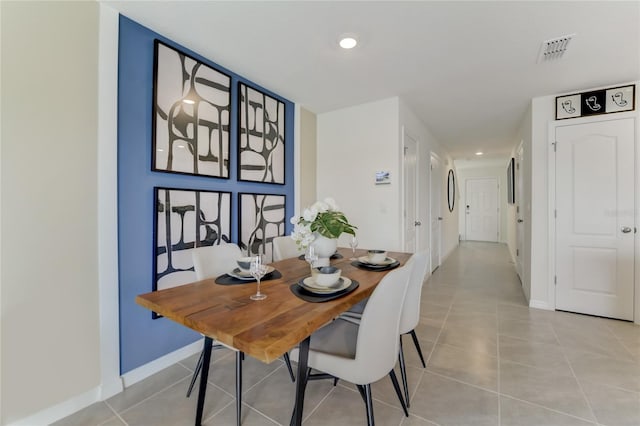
x=490, y=361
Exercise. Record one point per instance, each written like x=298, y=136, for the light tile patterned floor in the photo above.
x=490, y=361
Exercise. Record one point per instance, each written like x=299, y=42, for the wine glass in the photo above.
x=353, y=243
x=257, y=271
x=310, y=256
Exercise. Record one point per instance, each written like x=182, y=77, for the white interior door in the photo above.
x=519, y=214
x=481, y=209
x=435, y=180
x=411, y=220
x=595, y=228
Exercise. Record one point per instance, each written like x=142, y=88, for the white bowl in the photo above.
x=244, y=263
x=376, y=256
x=326, y=276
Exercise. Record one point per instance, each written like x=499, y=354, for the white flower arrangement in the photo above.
x=323, y=217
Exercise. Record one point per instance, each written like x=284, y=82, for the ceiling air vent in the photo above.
x=554, y=48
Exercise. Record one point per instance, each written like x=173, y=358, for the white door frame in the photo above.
x=519, y=202
x=551, y=191
x=416, y=194
x=435, y=156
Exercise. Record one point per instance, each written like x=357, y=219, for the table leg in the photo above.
x=204, y=375
x=301, y=382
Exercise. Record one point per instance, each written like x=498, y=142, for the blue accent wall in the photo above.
x=143, y=339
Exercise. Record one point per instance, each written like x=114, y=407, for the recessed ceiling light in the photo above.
x=348, y=42
x=188, y=101
x=479, y=153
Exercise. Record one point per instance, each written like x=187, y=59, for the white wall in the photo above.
x=306, y=154
x=354, y=143
x=486, y=170
x=50, y=303
x=542, y=117
x=428, y=144
x=450, y=225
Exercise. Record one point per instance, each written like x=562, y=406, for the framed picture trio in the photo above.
x=596, y=102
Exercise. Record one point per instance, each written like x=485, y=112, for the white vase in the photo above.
x=324, y=247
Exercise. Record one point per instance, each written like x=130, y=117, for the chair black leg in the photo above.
x=396, y=386
x=415, y=342
x=369, y=402
x=335, y=381
x=204, y=375
x=403, y=373
x=362, y=394
x=195, y=374
x=239, y=358
x=287, y=361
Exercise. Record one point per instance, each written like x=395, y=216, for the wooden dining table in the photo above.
x=263, y=329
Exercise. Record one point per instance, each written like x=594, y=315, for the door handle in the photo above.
x=417, y=223
x=625, y=229
x=520, y=220
x=439, y=218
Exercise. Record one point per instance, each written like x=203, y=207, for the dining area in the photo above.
x=487, y=363
x=350, y=332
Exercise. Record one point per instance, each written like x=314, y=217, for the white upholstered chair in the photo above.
x=211, y=262
x=366, y=352
x=285, y=247
x=410, y=312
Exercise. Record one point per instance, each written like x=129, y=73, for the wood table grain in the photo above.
x=268, y=328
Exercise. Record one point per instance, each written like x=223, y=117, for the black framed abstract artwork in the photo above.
x=191, y=109
x=261, y=137
x=184, y=220
x=262, y=217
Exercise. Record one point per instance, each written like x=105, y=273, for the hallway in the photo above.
x=490, y=361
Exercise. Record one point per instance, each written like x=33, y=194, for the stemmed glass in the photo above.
x=310, y=256
x=353, y=243
x=257, y=271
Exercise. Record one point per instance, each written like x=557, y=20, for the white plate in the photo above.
x=388, y=261
x=309, y=284
x=245, y=275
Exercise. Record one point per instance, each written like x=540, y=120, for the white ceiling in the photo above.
x=467, y=69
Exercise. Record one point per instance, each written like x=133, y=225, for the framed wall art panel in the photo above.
x=261, y=137
x=191, y=108
x=511, y=182
x=262, y=217
x=595, y=102
x=185, y=219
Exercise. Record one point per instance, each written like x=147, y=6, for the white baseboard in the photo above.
x=144, y=371
x=60, y=411
x=539, y=304
x=113, y=387
x=107, y=390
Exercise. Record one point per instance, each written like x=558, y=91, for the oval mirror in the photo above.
x=451, y=190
